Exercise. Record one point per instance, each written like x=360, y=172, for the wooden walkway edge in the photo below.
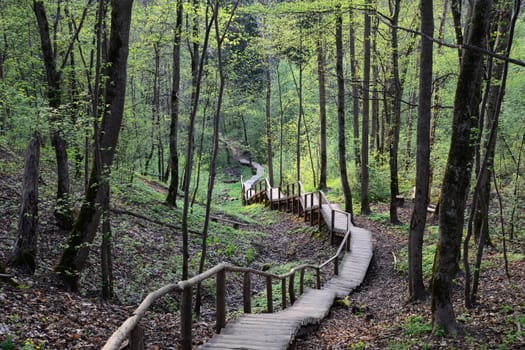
x=278, y=330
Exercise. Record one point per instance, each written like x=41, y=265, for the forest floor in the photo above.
x=39, y=314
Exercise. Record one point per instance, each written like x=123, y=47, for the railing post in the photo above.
x=283, y=292
x=269, y=294
x=221, y=300
x=186, y=318
x=301, y=282
x=319, y=205
x=318, y=277
x=291, y=288
x=247, y=293
x=336, y=266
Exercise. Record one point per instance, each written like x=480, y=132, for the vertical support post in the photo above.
x=283, y=292
x=221, y=300
x=269, y=294
x=318, y=277
x=320, y=204
x=247, y=293
x=301, y=282
x=336, y=266
x=186, y=318
x=291, y=288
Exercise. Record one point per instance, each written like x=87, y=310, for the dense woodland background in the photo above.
x=137, y=110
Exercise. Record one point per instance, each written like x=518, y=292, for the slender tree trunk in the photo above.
x=215, y=142
x=322, y=107
x=26, y=245
x=458, y=171
x=175, y=103
x=281, y=129
x=365, y=204
x=106, y=261
x=269, y=135
x=355, y=94
x=63, y=212
x=416, y=288
x=75, y=254
x=396, y=118
x=299, y=118
x=341, y=112
x=197, y=71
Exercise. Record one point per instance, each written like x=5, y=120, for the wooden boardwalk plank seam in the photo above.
x=278, y=330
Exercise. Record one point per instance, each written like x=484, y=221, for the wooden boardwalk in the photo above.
x=278, y=330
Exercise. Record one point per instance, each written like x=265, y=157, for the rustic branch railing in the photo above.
x=130, y=329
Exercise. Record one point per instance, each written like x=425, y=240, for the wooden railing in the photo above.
x=130, y=328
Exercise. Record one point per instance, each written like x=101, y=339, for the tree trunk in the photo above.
x=25, y=249
x=63, y=212
x=322, y=107
x=175, y=103
x=269, y=136
x=75, y=254
x=215, y=144
x=197, y=71
x=341, y=112
x=416, y=287
x=355, y=94
x=396, y=119
x=458, y=171
x=106, y=261
x=365, y=204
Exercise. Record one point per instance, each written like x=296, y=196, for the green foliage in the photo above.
x=8, y=343
x=416, y=326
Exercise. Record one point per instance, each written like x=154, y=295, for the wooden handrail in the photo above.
x=186, y=287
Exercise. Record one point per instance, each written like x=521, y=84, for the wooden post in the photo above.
x=348, y=242
x=283, y=292
x=186, y=319
x=136, y=338
x=318, y=277
x=319, y=210
x=247, y=293
x=301, y=282
x=291, y=288
x=269, y=294
x=221, y=301
x=336, y=266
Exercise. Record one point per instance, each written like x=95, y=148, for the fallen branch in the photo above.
x=142, y=217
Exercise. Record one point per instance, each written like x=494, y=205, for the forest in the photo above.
x=133, y=132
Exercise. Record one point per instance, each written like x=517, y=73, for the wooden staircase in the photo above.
x=278, y=330
x=268, y=330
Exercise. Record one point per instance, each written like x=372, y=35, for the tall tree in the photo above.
x=76, y=252
x=25, y=249
x=197, y=67
x=63, y=212
x=268, y=111
x=395, y=118
x=175, y=103
x=355, y=92
x=322, y=105
x=458, y=170
x=365, y=203
x=416, y=287
x=341, y=111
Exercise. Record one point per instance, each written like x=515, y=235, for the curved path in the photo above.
x=278, y=330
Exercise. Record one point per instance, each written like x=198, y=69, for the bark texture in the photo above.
x=416, y=287
x=24, y=253
x=341, y=113
x=458, y=171
x=75, y=254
